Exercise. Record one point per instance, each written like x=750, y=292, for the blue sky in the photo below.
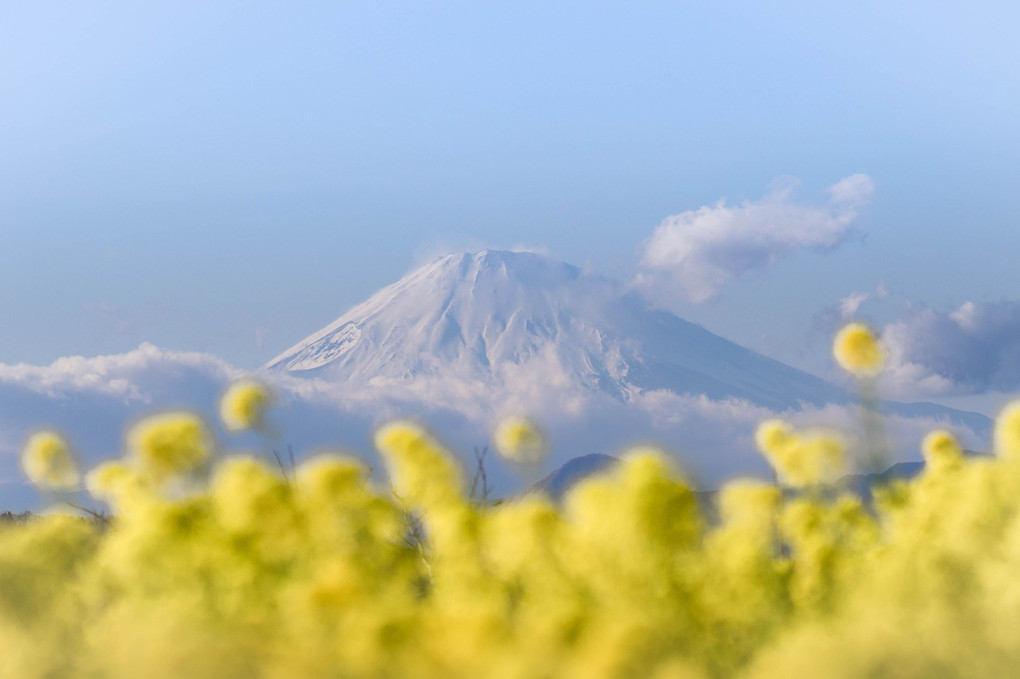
x=230, y=178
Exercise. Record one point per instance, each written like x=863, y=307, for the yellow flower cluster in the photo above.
x=519, y=439
x=327, y=574
x=166, y=446
x=47, y=461
x=801, y=458
x=858, y=351
x=941, y=451
x=1007, y=431
x=243, y=405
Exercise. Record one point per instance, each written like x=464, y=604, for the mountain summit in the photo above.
x=494, y=318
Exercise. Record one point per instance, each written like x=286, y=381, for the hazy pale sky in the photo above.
x=229, y=177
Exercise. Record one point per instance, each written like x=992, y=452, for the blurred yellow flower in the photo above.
x=1007, y=431
x=858, y=350
x=801, y=458
x=47, y=461
x=244, y=404
x=744, y=498
x=164, y=446
x=422, y=472
x=634, y=574
x=771, y=434
x=941, y=450
x=520, y=440
x=108, y=480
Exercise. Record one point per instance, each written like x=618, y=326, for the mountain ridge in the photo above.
x=493, y=319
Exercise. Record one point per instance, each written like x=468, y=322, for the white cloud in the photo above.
x=829, y=319
x=969, y=350
x=849, y=305
x=853, y=190
x=260, y=335
x=696, y=252
x=94, y=399
x=533, y=248
x=132, y=376
x=966, y=316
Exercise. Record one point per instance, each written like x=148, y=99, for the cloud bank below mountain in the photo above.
x=93, y=400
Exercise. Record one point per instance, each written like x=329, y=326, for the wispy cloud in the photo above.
x=849, y=305
x=694, y=253
x=852, y=190
x=260, y=334
x=829, y=319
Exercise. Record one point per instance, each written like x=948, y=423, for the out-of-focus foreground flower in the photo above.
x=167, y=445
x=520, y=440
x=243, y=405
x=47, y=461
x=858, y=351
x=803, y=458
x=633, y=574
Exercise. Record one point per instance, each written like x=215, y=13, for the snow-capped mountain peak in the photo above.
x=491, y=319
x=463, y=315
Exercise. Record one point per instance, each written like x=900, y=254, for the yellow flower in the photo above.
x=771, y=434
x=331, y=475
x=247, y=493
x=109, y=480
x=858, y=350
x=1007, y=431
x=47, y=461
x=747, y=499
x=421, y=471
x=801, y=458
x=941, y=450
x=164, y=446
x=243, y=405
x=519, y=439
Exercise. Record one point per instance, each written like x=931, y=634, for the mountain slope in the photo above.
x=472, y=316
x=498, y=322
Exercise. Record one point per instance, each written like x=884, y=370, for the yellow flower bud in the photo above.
x=1007, y=431
x=520, y=440
x=858, y=350
x=243, y=405
x=941, y=450
x=47, y=461
x=164, y=446
x=422, y=472
x=801, y=459
x=109, y=480
x=771, y=434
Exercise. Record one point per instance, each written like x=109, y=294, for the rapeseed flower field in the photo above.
x=215, y=565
